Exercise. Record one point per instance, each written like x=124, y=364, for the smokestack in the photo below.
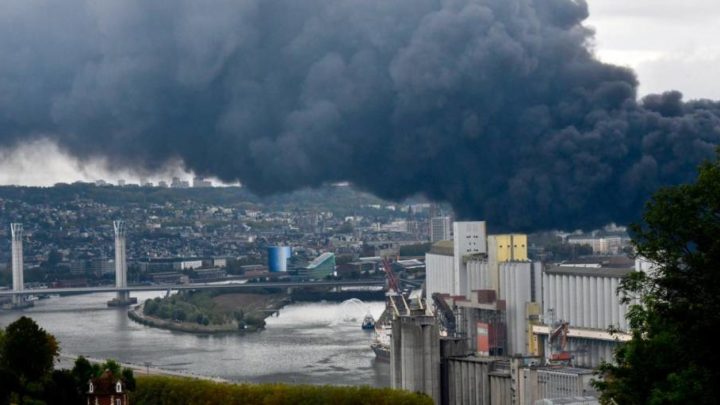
x=17, y=256
x=120, y=263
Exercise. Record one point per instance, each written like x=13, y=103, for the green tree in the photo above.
x=672, y=357
x=83, y=371
x=62, y=388
x=129, y=377
x=111, y=365
x=150, y=307
x=179, y=315
x=27, y=350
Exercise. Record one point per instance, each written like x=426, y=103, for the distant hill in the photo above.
x=326, y=196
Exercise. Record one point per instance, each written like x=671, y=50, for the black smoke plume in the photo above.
x=496, y=106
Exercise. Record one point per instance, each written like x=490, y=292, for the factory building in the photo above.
x=440, y=269
x=549, y=322
x=446, y=264
x=278, y=257
x=518, y=290
x=447, y=370
x=502, y=249
x=586, y=299
x=474, y=262
x=539, y=306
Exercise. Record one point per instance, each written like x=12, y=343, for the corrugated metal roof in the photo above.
x=590, y=271
x=443, y=247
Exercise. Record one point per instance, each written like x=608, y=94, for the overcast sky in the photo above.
x=670, y=44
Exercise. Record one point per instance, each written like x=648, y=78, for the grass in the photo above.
x=174, y=390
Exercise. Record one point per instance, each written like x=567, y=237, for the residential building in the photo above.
x=440, y=228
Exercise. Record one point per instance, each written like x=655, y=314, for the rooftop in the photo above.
x=590, y=271
x=320, y=259
x=443, y=247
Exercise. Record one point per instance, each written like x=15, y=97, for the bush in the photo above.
x=173, y=390
x=256, y=322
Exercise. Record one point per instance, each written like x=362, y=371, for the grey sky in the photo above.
x=670, y=45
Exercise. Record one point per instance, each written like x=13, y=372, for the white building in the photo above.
x=608, y=244
x=460, y=267
x=440, y=229
x=446, y=269
x=440, y=269
x=586, y=298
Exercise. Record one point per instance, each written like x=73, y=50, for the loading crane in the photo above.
x=394, y=289
x=558, y=340
x=445, y=313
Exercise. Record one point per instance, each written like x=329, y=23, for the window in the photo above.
x=118, y=401
x=118, y=387
x=91, y=388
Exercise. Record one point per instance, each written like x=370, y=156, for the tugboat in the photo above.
x=368, y=322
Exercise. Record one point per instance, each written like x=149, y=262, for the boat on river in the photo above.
x=368, y=322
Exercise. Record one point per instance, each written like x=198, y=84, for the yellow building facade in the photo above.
x=504, y=248
x=509, y=247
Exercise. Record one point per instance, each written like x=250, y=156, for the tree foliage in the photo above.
x=83, y=371
x=27, y=350
x=178, y=391
x=672, y=357
x=27, y=374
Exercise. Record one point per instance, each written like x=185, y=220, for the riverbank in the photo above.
x=253, y=307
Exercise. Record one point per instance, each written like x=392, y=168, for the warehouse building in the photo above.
x=586, y=298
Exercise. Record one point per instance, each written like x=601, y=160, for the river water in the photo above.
x=315, y=343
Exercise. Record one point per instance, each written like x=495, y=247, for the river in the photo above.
x=314, y=343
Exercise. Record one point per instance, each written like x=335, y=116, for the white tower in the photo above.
x=469, y=238
x=120, y=263
x=17, y=259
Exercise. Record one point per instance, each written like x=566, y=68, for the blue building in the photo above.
x=278, y=258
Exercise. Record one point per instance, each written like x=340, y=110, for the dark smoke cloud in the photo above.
x=496, y=106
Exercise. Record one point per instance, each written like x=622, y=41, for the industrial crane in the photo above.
x=445, y=313
x=394, y=288
x=558, y=340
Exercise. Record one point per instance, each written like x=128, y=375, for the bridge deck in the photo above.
x=195, y=286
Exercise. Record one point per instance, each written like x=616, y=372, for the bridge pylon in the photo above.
x=123, y=297
x=18, y=283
